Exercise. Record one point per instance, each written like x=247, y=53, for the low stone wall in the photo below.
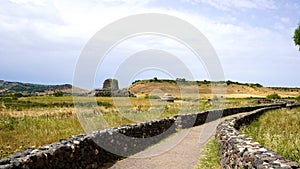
x=83, y=151
x=196, y=119
x=293, y=105
x=239, y=151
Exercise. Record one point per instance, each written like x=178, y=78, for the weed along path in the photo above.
x=184, y=153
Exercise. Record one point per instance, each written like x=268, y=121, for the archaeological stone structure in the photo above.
x=111, y=84
x=111, y=88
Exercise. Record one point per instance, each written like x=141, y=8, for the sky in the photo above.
x=41, y=40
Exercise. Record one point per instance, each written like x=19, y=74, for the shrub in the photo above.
x=297, y=98
x=255, y=85
x=151, y=97
x=17, y=95
x=58, y=93
x=136, y=81
x=273, y=96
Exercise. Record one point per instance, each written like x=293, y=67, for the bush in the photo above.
x=273, y=96
x=58, y=93
x=151, y=97
x=136, y=81
x=17, y=95
x=297, y=98
x=255, y=85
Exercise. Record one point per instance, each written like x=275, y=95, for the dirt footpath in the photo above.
x=179, y=151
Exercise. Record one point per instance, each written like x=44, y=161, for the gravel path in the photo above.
x=179, y=151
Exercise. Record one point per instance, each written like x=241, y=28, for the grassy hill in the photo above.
x=233, y=89
x=29, y=89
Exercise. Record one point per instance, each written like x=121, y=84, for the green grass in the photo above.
x=18, y=134
x=278, y=130
x=210, y=158
x=28, y=103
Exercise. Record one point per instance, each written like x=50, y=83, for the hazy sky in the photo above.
x=41, y=40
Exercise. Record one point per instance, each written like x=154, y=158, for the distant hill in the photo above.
x=233, y=89
x=29, y=89
x=158, y=87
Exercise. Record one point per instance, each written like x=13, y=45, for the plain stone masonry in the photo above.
x=191, y=120
x=239, y=151
x=83, y=151
x=293, y=105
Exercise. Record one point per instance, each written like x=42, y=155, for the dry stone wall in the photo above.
x=239, y=151
x=293, y=105
x=190, y=120
x=83, y=151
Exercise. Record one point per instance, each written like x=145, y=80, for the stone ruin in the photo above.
x=111, y=88
x=111, y=84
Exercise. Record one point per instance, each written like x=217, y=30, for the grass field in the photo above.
x=278, y=130
x=35, y=121
x=20, y=133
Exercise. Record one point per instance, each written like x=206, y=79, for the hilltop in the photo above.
x=233, y=89
x=29, y=89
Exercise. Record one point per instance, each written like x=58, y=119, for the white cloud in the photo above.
x=32, y=2
x=284, y=19
x=238, y=4
x=32, y=29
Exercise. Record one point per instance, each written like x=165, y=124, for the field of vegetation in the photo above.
x=278, y=130
x=34, y=121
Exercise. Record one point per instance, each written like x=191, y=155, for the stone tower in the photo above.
x=110, y=84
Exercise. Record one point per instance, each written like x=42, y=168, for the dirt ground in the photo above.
x=179, y=151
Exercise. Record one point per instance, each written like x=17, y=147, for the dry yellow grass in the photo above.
x=205, y=90
x=39, y=112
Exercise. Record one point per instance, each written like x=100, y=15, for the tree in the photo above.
x=297, y=36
